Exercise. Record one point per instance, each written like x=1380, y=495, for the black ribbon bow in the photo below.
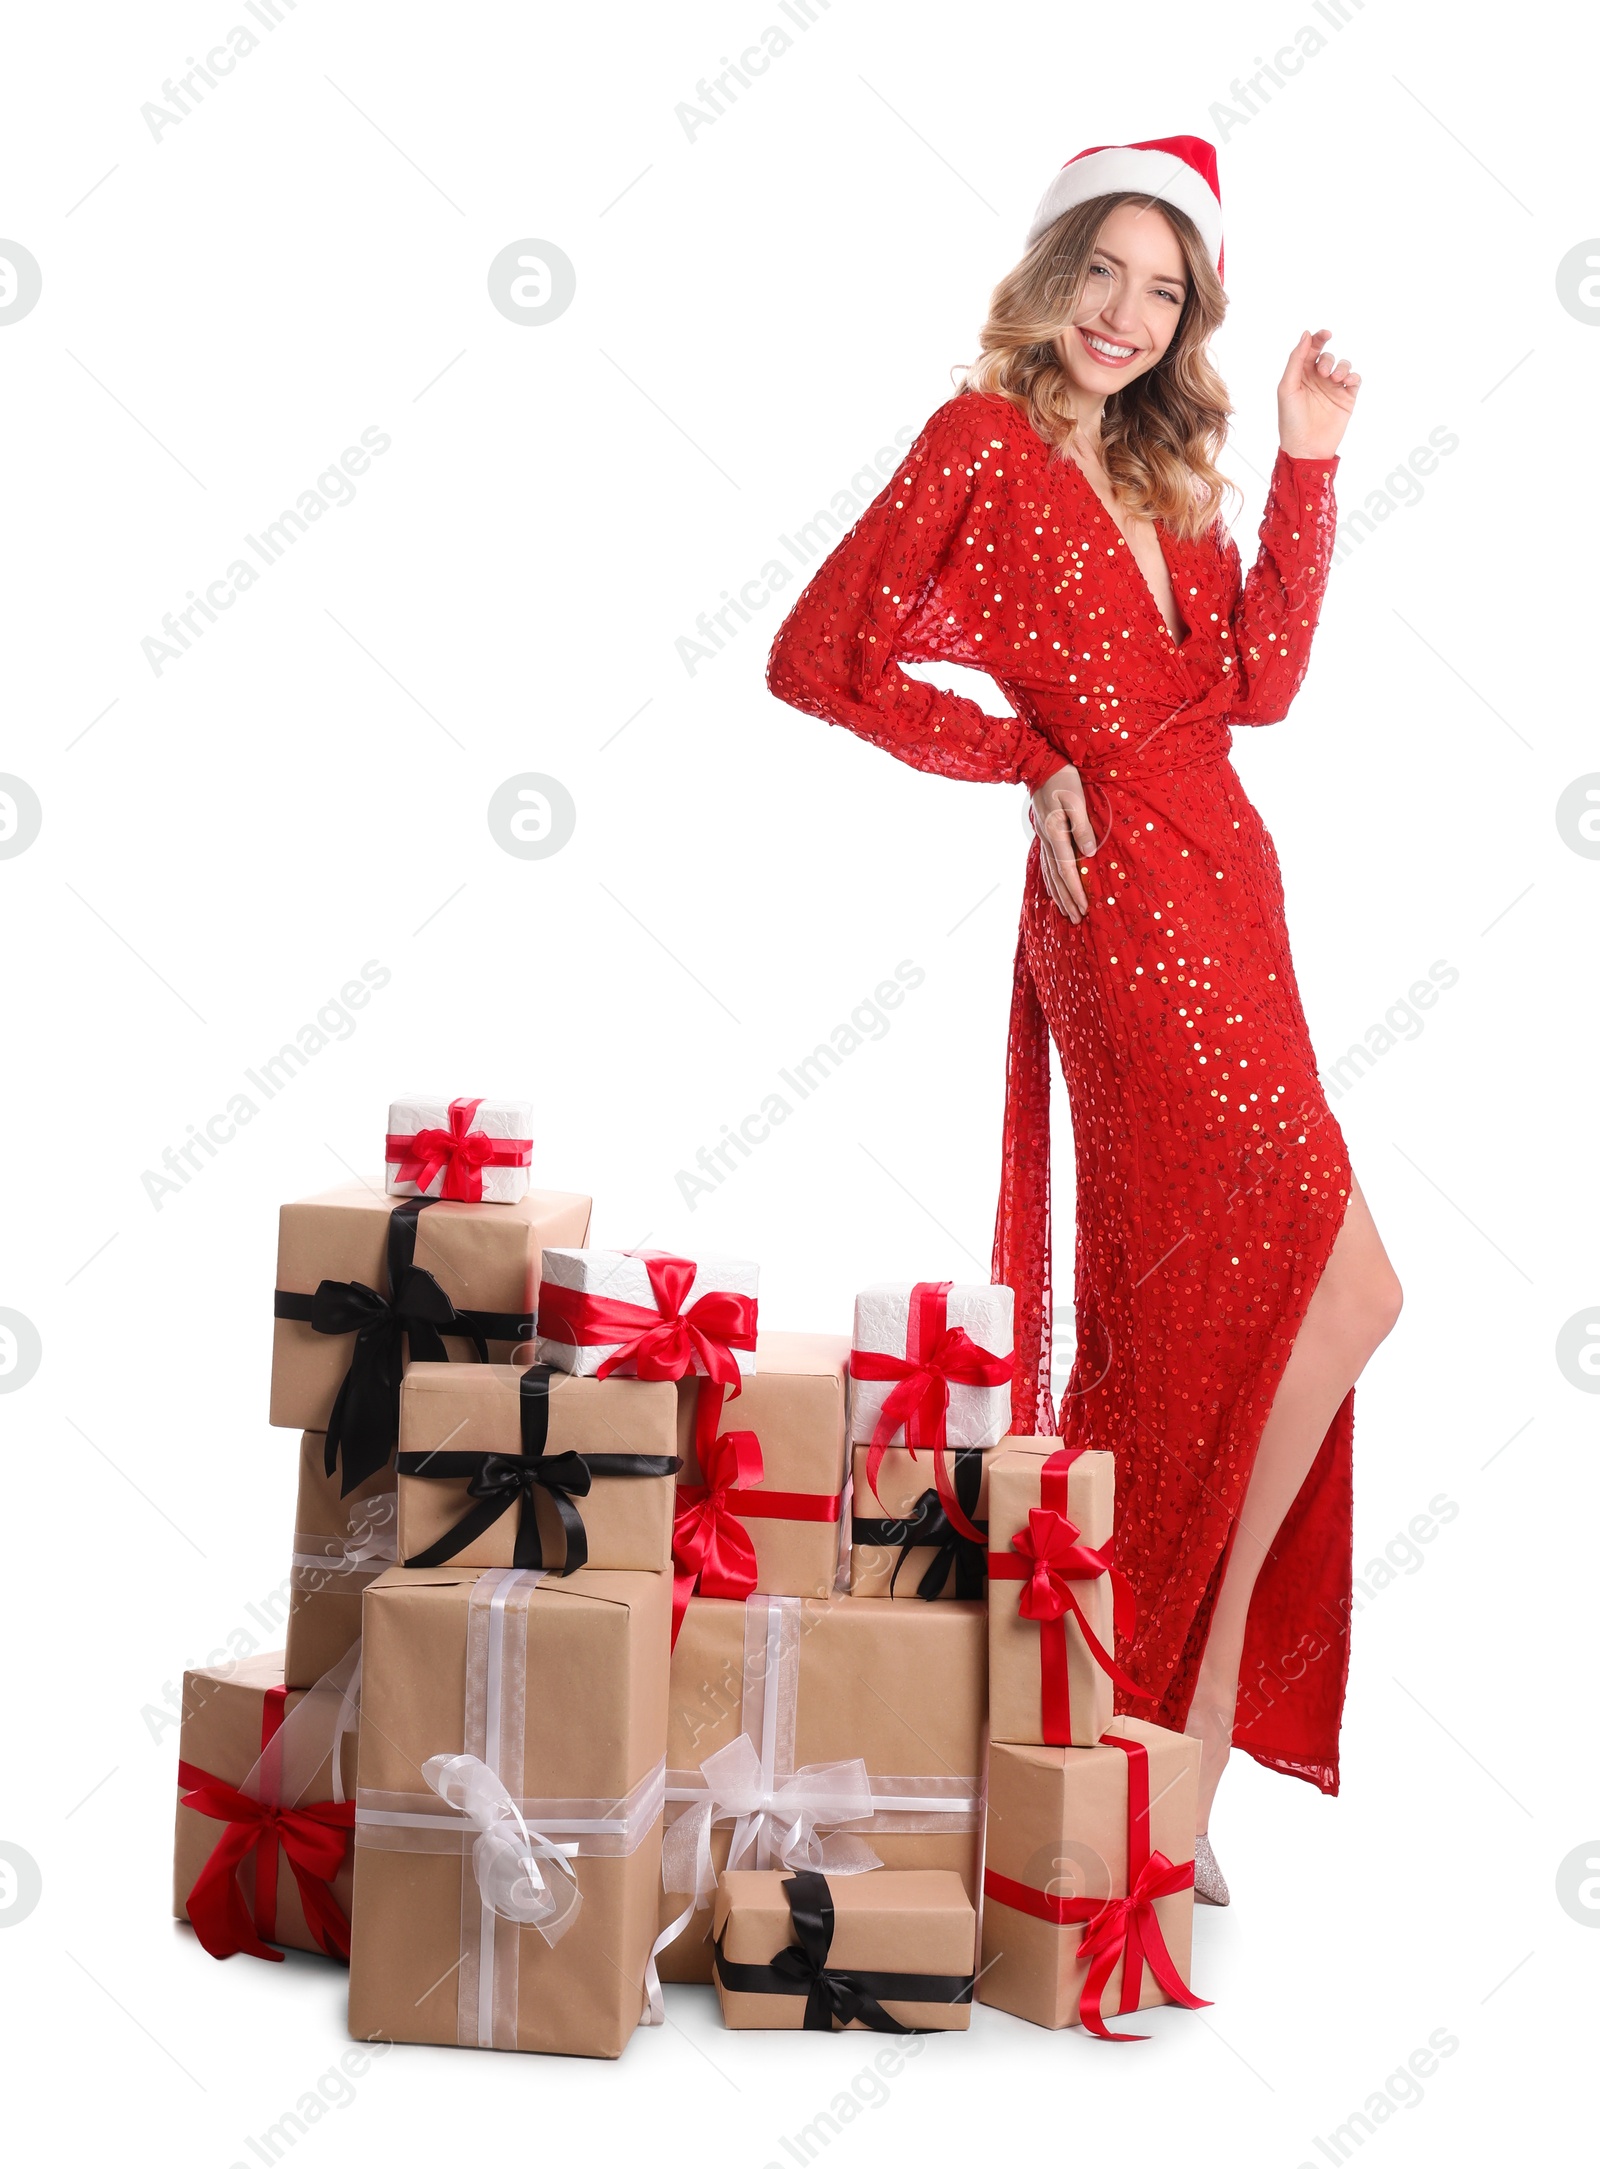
x=415, y=1314
x=497, y=1482
x=801, y=1969
x=928, y=1525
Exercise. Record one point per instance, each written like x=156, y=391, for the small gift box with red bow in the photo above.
x=266, y=1810
x=647, y=1314
x=1088, y=1880
x=931, y=1364
x=507, y=1466
x=763, y=1475
x=1056, y=1601
x=889, y=1952
x=475, y=1151
x=342, y=1542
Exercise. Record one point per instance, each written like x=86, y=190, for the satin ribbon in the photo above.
x=793, y=1822
x=1125, y=1928
x=938, y=1356
x=365, y=1420
x=312, y=1839
x=833, y=1993
x=461, y=1151
x=1047, y=1557
x=667, y=1342
x=711, y=1548
x=928, y=1527
x=522, y=1875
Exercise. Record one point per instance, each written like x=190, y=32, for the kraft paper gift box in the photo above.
x=364, y=1279
x=248, y=1746
x=783, y=1709
x=903, y=1542
x=807, y=1952
x=778, y=1508
x=341, y=1543
x=1048, y=1515
x=657, y=1314
x=494, y=1461
x=475, y=1150
x=942, y=1349
x=483, y=1687
x=1089, y=1877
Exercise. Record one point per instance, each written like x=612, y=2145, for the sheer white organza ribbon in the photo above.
x=791, y=1823
x=521, y=1874
x=366, y=1550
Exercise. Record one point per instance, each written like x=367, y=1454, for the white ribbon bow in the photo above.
x=782, y=1825
x=506, y=1854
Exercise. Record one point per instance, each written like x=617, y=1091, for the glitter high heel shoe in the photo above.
x=1209, y=1885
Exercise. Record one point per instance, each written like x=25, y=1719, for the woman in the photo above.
x=1057, y=525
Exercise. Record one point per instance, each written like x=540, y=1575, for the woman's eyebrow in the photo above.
x=1162, y=278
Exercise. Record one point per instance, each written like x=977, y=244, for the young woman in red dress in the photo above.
x=1057, y=524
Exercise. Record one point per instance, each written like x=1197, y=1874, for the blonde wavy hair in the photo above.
x=1159, y=439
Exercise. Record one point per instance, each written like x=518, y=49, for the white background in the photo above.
x=757, y=311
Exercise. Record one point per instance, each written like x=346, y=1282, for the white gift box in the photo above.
x=506, y=1124
x=623, y=1276
x=974, y=1415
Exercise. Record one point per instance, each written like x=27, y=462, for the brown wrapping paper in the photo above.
x=890, y=1921
x=476, y=1408
x=795, y=1404
x=900, y=1686
x=221, y=1734
x=1058, y=1822
x=485, y=1257
x=1014, y=1679
x=902, y=1481
x=325, y=1595
x=596, y=1656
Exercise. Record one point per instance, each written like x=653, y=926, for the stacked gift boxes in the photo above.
x=630, y=1644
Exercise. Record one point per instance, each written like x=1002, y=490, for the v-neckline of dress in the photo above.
x=1156, y=611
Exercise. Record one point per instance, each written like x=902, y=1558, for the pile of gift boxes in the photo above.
x=632, y=1645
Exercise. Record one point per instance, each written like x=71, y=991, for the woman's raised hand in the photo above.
x=1061, y=820
x=1315, y=399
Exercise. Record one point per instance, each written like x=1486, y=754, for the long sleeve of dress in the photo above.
x=1273, y=611
x=902, y=583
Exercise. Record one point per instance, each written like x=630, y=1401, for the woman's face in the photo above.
x=1132, y=299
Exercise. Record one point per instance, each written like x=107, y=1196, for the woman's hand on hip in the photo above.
x=1061, y=821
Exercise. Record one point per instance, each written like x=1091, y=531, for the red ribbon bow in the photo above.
x=1047, y=1557
x=1128, y=1927
x=461, y=1151
x=938, y=1356
x=667, y=1342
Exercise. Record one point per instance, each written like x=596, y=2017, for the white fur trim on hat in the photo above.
x=1148, y=173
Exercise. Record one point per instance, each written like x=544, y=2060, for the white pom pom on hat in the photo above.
x=1180, y=170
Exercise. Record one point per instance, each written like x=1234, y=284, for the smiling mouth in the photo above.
x=1107, y=351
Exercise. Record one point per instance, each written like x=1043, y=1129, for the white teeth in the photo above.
x=1104, y=346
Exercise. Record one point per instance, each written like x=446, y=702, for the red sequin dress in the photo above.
x=1212, y=1177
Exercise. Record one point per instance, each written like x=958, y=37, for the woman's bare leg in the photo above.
x=1353, y=1306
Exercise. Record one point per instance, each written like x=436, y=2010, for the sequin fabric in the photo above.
x=1211, y=1176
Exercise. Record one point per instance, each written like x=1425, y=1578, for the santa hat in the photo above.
x=1180, y=170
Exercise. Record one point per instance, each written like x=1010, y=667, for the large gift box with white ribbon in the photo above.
x=759, y=1498
x=502, y=1465
x=1088, y=1883
x=342, y=1541
x=508, y=1817
x=366, y=1281
x=866, y=1953
x=1056, y=1600
x=647, y=1314
x=841, y=1734
x=477, y=1151
x=931, y=1364
x=266, y=1807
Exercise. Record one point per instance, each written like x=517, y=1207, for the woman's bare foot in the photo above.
x=1210, y=1721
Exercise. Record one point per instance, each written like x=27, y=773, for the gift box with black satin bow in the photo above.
x=528, y=1467
x=887, y=1952
x=922, y=1530
x=366, y=1283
